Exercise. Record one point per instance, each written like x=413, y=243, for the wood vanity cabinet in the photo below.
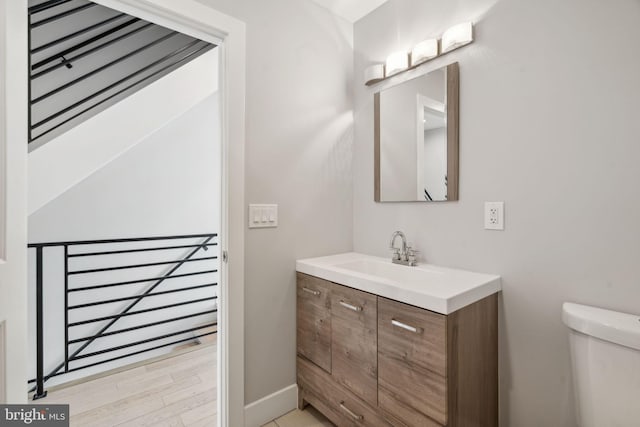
x=365, y=360
x=354, y=358
x=314, y=320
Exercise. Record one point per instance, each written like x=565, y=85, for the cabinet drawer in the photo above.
x=314, y=320
x=341, y=406
x=412, y=362
x=354, y=339
x=401, y=414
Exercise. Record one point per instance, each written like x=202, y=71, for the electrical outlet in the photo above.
x=494, y=215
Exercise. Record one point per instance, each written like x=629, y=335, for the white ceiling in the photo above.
x=351, y=10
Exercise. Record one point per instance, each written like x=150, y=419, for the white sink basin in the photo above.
x=439, y=289
x=390, y=271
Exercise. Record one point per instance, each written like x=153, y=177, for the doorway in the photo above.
x=198, y=21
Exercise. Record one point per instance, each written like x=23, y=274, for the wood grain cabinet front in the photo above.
x=336, y=402
x=364, y=360
x=313, y=316
x=412, y=358
x=354, y=340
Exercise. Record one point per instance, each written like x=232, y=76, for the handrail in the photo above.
x=134, y=313
x=128, y=251
x=61, y=15
x=113, y=85
x=104, y=29
x=105, y=330
x=104, y=67
x=85, y=43
x=148, y=264
x=153, y=294
x=146, y=325
x=91, y=51
x=46, y=6
x=131, y=282
x=77, y=33
x=126, y=355
x=135, y=343
x=120, y=92
x=125, y=240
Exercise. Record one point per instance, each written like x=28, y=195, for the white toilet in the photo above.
x=605, y=355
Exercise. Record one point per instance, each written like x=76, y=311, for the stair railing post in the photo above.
x=40, y=391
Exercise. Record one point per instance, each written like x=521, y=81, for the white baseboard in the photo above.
x=271, y=407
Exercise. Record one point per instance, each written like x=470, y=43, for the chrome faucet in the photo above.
x=404, y=255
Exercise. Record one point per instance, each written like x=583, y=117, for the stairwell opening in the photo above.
x=124, y=233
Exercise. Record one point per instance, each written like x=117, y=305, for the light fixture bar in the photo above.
x=455, y=37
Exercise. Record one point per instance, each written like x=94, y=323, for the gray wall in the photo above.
x=298, y=154
x=548, y=123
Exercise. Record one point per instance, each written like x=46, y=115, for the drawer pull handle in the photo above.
x=406, y=327
x=350, y=412
x=350, y=306
x=311, y=291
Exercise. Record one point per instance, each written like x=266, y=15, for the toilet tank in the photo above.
x=605, y=356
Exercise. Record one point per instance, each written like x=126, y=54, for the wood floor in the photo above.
x=176, y=392
x=296, y=418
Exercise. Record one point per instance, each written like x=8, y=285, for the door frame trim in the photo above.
x=197, y=20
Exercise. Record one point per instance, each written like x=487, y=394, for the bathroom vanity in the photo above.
x=381, y=344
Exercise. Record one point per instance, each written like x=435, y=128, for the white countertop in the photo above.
x=439, y=289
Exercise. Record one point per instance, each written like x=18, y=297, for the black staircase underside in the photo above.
x=84, y=57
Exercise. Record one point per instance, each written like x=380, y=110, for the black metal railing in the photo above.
x=87, y=269
x=84, y=57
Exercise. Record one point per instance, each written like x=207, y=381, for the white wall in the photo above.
x=172, y=183
x=13, y=213
x=95, y=142
x=298, y=154
x=168, y=184
x=435, y=162
x=549, y=98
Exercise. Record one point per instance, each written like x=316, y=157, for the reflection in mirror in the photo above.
x=416, y=139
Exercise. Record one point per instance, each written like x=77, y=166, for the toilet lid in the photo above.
x=612, y=326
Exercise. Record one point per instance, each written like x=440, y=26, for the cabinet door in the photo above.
x=314, y=320
x=412, y=383
x=354, y=342
x=335, y=402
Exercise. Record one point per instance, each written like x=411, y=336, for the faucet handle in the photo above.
x=396, y=253
x=412, y=255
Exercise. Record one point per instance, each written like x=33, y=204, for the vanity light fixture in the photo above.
x=374, y=74
x=457, y=36
x=424, y=51
x=396, y=63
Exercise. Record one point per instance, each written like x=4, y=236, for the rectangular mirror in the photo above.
x=416, y=139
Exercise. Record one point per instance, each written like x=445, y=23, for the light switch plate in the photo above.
x=263, y=216
x=494, y=215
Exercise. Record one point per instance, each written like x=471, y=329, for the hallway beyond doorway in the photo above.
x=179, y=391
